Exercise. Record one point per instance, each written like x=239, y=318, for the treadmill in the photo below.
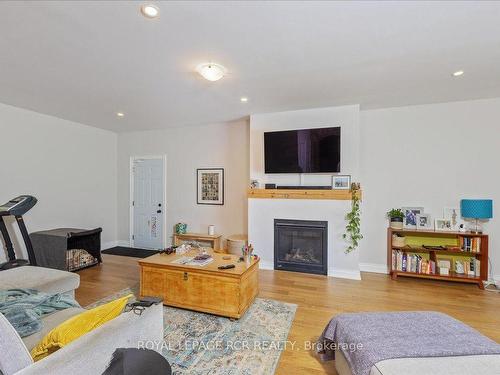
x=17, y=207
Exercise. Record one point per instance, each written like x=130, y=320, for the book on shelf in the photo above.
x=415, y=263
x=470, y=244
x=469, y=267
x=405, y=262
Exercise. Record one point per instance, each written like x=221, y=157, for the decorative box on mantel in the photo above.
x=301, y=194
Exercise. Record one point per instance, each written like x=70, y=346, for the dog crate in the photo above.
x=68, y=249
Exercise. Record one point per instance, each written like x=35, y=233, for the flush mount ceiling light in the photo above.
x=244, y=99
x=458, y=73
x=120, y=114
x=150, y=10
x=211, y=71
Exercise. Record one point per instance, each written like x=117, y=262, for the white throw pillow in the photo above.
x=14, y=356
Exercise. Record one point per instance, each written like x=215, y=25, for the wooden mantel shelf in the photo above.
x=301, y=194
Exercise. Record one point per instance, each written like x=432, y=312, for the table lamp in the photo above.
x=477, y=209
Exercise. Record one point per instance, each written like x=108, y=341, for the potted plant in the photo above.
x=396, y=217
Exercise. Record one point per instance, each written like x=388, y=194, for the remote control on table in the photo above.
x=226, y=267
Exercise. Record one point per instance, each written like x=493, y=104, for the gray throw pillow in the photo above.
x=14, y=356
x=133, y=361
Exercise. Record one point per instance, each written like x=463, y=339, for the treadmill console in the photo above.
x=18, y=206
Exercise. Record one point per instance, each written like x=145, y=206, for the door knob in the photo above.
x=158, y=212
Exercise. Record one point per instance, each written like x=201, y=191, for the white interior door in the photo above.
x=148, y=203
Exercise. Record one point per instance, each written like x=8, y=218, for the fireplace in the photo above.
x=301, y=246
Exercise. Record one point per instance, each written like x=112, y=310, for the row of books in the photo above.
x=470, y=244
x=408, y=262
x=471, y=267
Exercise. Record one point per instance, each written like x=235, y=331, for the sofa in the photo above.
x=91, y=353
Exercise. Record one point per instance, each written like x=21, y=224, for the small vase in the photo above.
x=396, y=223
x=180, y=228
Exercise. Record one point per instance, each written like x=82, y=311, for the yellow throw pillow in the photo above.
x=77, y=326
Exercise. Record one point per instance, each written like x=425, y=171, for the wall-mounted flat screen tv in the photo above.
x=302, y=151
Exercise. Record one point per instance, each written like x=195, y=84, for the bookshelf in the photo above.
x=465, y=247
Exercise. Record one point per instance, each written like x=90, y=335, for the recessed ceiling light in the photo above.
x=244, y=99
x=150, y=10
x=211, y=71
x=458, y=73
x=120, y=114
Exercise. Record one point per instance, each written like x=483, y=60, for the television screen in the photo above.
x=302, y=151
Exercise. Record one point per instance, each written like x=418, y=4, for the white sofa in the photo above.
x=91, y=353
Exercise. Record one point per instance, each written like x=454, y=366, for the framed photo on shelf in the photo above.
x=443, y=225
x=410, y=219
x=455, y=216
x=210, y=186
x=424, y=221
x=341, y=182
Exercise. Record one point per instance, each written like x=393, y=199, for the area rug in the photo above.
x=129, y=252
x=201, y=344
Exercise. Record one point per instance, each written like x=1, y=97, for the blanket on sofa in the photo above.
x=24, y=308
x=368, y=338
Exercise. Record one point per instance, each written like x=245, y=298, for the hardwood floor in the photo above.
x=319, y=298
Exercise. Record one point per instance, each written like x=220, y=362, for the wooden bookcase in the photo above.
x=417, y=238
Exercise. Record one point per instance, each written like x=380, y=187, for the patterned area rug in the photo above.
x=202, y=344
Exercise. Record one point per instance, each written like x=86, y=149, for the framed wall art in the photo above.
x=210, y=186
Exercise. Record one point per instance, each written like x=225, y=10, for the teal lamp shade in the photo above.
x=477, y=208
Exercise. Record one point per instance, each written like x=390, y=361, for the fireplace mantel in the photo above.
x=301, y=194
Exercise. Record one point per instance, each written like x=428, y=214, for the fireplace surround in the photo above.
x=301, y=246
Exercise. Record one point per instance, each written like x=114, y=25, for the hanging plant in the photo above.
x=353, y=228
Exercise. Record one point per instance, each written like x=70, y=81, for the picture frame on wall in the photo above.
x=210, y=186
x=341, y=182
x=424, y=221
x=410, y=219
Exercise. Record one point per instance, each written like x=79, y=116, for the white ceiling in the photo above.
x=85, y=61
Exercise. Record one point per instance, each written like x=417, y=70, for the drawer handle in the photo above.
x=185, y=276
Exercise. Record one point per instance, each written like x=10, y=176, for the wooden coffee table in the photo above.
x=208, y=289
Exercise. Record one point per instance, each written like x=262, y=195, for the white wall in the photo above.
x=430, y=156
x=188, y=148
x=347, y=117
x=69, y=167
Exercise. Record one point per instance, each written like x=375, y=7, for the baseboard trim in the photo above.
x=110, y=244
x=263, y=265
x=496, y=279
x=373, y=267
x=344, y=274
x=332, y=272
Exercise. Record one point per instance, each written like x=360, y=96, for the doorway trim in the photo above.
x=163, y=158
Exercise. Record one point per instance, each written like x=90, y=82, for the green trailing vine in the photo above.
x=353, y=228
